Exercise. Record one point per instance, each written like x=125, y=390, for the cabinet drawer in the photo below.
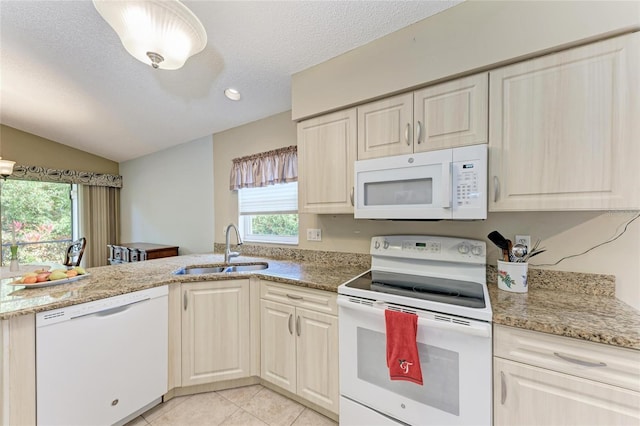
x=316, y=300
x=603, y=363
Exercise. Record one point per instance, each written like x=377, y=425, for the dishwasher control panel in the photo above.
x=99, y=307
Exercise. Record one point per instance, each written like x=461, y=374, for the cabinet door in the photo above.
x=317, y=355
x=385, y=127
x=564, y=130
x=278, y=344
x=455, y=113
x=215, y=331
x=525, y=395
x=326, y=153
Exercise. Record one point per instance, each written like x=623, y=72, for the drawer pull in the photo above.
x=294, y=297
x=579, y=361
x=503, y=388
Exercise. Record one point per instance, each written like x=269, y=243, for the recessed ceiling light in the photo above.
x=232, y=94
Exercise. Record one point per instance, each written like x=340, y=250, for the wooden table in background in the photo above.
x=135, y=252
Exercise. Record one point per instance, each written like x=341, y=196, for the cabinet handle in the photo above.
x=298, y=325
x=419, y=132
x=579, y=361
x=503, y=388
x=184, y=300
x=294, y=297
x=290, y=318
x=406, y=133
x=496, y=189
x=352, y=204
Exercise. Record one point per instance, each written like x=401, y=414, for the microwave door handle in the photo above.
x=446, y=185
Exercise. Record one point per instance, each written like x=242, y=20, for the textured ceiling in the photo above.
x=65, y=76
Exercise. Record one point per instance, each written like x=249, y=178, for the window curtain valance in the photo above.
x=267, y=168
x=44, y=174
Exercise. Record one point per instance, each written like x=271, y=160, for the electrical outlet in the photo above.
x=314, y=234
x=524, y=239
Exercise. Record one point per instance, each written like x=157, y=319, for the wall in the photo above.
x=28, y=149
x=270, y=133
x=167, y=197
x=563, y=233
x=469, y=37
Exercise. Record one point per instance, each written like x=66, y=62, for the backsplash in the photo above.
x=573, y=282
x=300, y=255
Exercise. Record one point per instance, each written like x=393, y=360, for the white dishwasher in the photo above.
x=99, y=362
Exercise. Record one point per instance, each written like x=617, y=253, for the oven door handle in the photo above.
x=480, y=330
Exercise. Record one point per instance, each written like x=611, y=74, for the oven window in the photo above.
x=391, y=193
x=440, y=372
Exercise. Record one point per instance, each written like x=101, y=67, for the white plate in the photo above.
x=49, y=283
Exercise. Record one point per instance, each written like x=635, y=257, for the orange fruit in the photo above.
x=29, y=280
x=71, y=273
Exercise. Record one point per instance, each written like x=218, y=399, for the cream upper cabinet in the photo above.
x=455, y=113
x=564, y=130
x=215, y=331
x=299, y=342
x=445, y=115
x=385, y=127
x=541, y=379
x=326, y=153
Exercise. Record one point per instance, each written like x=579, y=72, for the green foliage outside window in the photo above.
x=39, y=214
x=275, y=224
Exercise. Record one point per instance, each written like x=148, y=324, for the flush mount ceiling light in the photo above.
x=6, y=168
x=162, y=33
x=232, y=94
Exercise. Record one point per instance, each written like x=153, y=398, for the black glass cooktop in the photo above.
x=453, y=292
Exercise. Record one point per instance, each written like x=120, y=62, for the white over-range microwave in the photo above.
x=443, y=184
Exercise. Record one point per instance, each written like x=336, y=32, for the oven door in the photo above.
x=455, y=357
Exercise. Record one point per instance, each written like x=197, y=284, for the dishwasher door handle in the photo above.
x=111, y=311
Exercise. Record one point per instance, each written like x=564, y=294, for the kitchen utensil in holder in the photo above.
x=13, y=264
x=512, y=276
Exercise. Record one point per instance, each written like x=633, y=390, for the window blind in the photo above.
x=272, y=199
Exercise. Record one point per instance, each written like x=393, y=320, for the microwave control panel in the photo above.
x=467, y=181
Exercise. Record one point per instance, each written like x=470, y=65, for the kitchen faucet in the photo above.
x=228, y=254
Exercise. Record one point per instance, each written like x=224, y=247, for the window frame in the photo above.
x=245, y=222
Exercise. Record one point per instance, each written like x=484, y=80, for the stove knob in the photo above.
x=463, y=248
x=377, y=244
x=476, y=250
x=386, y=244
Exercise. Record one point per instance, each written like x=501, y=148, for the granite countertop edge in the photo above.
x=595, y=318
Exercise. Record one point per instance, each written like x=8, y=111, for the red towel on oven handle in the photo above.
x=402, y=350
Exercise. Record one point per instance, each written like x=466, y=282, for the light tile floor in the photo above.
x=246, y=406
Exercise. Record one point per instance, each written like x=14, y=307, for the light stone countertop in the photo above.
x=568, y=304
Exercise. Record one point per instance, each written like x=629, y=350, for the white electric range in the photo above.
x=442, y=280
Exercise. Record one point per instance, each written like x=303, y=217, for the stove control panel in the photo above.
x=426, y=247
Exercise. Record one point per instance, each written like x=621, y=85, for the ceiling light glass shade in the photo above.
x=162, y=33
x=6, y=167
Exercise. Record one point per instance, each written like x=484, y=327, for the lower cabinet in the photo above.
x=541, y=379
x=299, y=342
x=216, y=339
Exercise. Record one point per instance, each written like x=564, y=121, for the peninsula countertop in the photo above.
x=588, y=311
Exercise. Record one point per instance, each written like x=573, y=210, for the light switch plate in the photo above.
x=314, y=234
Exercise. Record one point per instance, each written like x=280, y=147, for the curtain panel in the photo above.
x=267, y=168
x=99, y=222
x=45, y=174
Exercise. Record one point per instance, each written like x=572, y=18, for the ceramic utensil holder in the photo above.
x=512, y=276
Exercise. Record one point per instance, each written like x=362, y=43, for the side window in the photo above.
x=269, y=214
x=38, y=217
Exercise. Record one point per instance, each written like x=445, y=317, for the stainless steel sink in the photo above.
x=223, y=269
